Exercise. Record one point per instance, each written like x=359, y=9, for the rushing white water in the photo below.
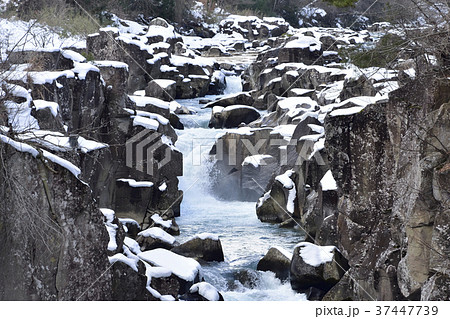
x=244, y=238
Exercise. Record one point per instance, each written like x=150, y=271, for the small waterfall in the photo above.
x=234, y=84
x=244, y=238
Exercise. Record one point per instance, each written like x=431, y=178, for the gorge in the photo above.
x=145, y=164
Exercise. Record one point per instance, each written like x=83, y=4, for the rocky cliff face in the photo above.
x=53, y=238
x=360, y=163
x=389, y=162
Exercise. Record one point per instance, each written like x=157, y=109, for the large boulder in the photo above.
x=204, y=246
x=53, y=237
x=162, y=89
x=192, y=86
x=252, y=27
x=232, y=116
x=279, y=203
x=277, y=260
x=305, y=49
x=153, y=238
x=360, y=86
x=187, y=270
x=129, y=284
x=202, y=291
x=234, y=99
x=320, y=267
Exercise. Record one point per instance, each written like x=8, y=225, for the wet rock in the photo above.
x=232, y=116
x=257, y=170
x=248, y=278
x=277, y=261
x=175, y=121
x=205, y=247
x=192, y=87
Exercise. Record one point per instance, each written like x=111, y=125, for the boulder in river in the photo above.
x=203, y=246
x=315, y=266
x=232, y=116
x=187, y=270
x=234, y=99
x=202, y=291
x=277, y=260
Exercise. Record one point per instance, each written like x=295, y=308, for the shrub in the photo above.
x=382, y=55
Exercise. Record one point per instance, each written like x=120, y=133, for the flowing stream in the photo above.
x=244, y=238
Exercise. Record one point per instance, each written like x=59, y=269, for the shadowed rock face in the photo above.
x=276, y=262
x=233, y=116
x=53, y=237
x=204, y=249
x=391, y=195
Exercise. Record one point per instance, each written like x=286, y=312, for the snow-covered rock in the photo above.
x=232, y=116
x=318, y=267
x=203, y=246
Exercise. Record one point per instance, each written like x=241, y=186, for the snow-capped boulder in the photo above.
x=251, y=27
x=162, y=89
x=203, y=246
x=47, y=115
x=232, y=116
x=257, y=170
x=216, y=51
x=193, y=86
x=305, y=50
x=202, y=291
x=187, y=270
x=218, y=83
x=244, y=98
x=279, y=203
x=315, y=266
x=129, y=284
x=48, y=60
x=167, y=223
x=159, y=30
x=360, y=86
x=277, y=260
x=130, y=226
x=153, y=238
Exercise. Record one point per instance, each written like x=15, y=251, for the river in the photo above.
x=245, y=239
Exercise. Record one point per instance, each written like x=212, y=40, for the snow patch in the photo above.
x=315, y=255
x=185, y=268
x=206, y=290
x=158, y=233
x=133, y=183
x=327, y=182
